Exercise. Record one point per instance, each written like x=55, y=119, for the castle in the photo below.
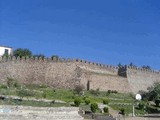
x=67, y=73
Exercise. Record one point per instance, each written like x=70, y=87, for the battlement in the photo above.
x=54, y=59
x=143, y=70
x=66, y=73
x=121, y=70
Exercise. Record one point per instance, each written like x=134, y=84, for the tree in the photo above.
x=153, y=93
x=22, y=53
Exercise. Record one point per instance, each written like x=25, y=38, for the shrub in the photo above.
x=53, y=101
x=112, y=91
x=87, y=101
x=11, y=82
x=115, y=91
x=94, y=107
x=109, y=91
x=157, y=102
x=16, y=84
x=95, y=92
x=105, y=101
x=141, y=105
x=77, y=102
x=122, y=111
x=105, y=109
x=78, y=89
x=3, y=86
x=25, y=93
x=48, y=93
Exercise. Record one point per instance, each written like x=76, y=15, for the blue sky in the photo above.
x=104, y=31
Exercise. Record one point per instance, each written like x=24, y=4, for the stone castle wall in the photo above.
x=141, y=79
x=62, y=73
x=67, y=73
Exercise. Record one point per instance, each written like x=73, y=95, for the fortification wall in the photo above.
x=62, y=73
x=141, y=79
x=108, y=82
x=67, y=73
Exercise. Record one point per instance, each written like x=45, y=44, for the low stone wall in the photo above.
x=39, y=113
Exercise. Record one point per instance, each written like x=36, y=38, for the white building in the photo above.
x=5, y=50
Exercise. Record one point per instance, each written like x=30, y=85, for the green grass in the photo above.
x=63, y=94
x=32, y=103
x=128, y=109
x=39, y=91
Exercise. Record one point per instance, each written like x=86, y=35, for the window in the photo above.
x=6, y=52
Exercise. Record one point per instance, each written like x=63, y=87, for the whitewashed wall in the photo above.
x=2, y=50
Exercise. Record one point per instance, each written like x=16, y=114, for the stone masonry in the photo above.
x=67, y=73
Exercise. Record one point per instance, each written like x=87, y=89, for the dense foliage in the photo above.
x=94, y=107
x=77, y=102
x=87, y=101
x=105, y=101
x=153, y=93
x=105, y=109
x=22, y=53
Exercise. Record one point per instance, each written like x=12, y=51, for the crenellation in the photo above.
x=54, y=59
x=49, y=59
x=45, y=59
x=49, y=69
x=86, y=62
x=23, y=58
x=82, y=61
x=40, y=59
x=143, y=70
x=69, y=60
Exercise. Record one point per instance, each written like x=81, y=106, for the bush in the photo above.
x=77, y=102
x=25, y=93
x=115, y=91
x=141, y=105
x=53, y=101
x=48, y=93
x=112, y=91
x=105, y=109
x=87, y=101
x=12, y=82
x=122, y=111
x=95, y=92
x=78, y=89
x=109, y=91
x=105, y=101
x=94, y=107
x=3, y=86
x=157, y=102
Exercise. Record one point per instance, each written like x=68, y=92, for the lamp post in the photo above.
x=138, y=97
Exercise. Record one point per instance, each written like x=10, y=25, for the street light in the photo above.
x=138, y=97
